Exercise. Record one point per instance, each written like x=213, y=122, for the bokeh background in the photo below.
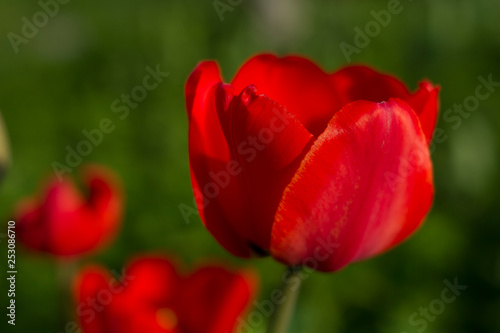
x=66, y=77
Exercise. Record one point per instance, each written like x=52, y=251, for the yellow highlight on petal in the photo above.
x=166, y=318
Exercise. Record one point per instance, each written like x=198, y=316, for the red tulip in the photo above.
x=152, y=297
x=287, y=158
x=63, y=222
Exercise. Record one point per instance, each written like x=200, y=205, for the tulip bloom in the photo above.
x=312, y=168
x=63, y=222
x=152, y=297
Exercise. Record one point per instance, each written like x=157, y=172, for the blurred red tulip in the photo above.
x=63, y=222
x=152, y=297
x=287, y=158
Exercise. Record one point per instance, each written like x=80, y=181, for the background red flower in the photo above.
x=154, y=297
x=63, y=221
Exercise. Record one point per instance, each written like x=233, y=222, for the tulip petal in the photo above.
x=147, y=303
x=104, y=202
x=151, y=297
x=221, y=296
x=60, y=224
x=355, y=83
x=365, y=185
x=296, y=83
x=208, y=151
x=131, y=303
x=88, y=284
x=267, y=143
x=363, y=83
x=425, y=101
x=31, y=228
x=152, y=280
x=65, y=223
x=202, y=115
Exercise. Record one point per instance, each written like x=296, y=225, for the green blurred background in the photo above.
x=66, y=77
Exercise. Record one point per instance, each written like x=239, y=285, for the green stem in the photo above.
x=66, y=268
x=290, y=287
